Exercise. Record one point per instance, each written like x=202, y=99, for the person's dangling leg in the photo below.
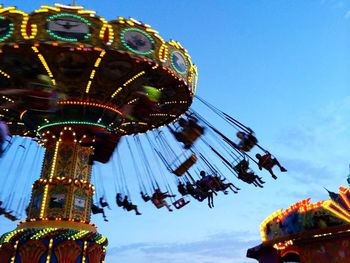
x=276, y=162
x=272, y=174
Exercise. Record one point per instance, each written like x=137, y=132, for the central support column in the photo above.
x=58, y=227
x=63, y=191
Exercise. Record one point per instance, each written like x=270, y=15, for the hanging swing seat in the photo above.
x=180, y=203
x=158, y=203
x=8, y=214
x=191, y=134
x=248, y=141
x=11, y=217
x=180, y=170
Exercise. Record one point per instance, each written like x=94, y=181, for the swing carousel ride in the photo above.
x=77, y=91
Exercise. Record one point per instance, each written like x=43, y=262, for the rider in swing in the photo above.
x=247, y=175
x=98, y=210
x=159, y=198
x=268, y=162
x=7, y=214
x=247, y=140
x=104, y=203
x=126, y=204
x=190, y=130
x=145, y=197
x=206, y=188
x=181, y=187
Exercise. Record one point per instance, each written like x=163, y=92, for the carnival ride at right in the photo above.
x=307, y=232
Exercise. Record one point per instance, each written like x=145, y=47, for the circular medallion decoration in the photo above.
x=137, y=41
x=6, y=28
x=178, y=61
x=68, y=27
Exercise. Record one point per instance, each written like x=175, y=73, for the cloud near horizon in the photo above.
x=217, y=248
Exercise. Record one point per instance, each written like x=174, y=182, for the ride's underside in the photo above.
x=98, y=70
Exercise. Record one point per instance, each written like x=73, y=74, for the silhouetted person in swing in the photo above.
x=104, y=203
x=119, y=199
x=190, y=189
x=129, y=205
x=189, y=132
x=145, y=197
x=268, y=162
x=247, y=140
x=158, y=198
x=207, y=179
x=219, y=184
x=181, y=187
x=206, y=183
x=179, y=135
x=98, y=210
x=7, y=214
x=247, y=175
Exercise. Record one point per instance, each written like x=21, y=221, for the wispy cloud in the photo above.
x=218, y=248
x=314, y=192
x=307, y=172
x=317, y=148
x=334, y=3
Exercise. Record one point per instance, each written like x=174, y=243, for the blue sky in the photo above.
x=281, y=67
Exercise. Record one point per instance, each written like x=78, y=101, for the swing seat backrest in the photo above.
x=248, y=142
x=192, y=133
x=10, y=216
x=180, y=203
x=185, y=165
x=158, y=203
x=247, y=148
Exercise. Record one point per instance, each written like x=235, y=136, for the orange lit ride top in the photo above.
x=99, y=72
x=304, y=216
x=307, y=231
